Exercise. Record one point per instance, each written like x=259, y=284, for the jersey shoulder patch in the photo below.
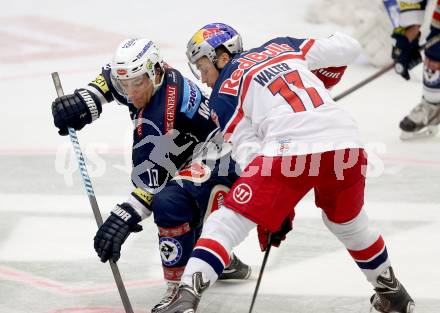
x=191, y=98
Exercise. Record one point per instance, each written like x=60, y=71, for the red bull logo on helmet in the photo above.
x=209, y=32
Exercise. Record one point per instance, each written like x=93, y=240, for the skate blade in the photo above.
x=426, y=132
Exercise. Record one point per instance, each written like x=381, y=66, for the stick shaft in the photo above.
x=92, y=199
x=434, y=40
x=260, y=276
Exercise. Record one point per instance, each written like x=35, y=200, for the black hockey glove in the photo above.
x=75, y=110
x=122, y=221
x=276, y=237
x=405, y=53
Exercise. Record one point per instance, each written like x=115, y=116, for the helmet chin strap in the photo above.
x=157, y=86
x=219, y=70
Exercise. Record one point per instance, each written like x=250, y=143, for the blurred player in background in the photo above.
x=424, y=118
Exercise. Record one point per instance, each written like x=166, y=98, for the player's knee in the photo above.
x=353, y=233
x=348, y=228
x=228, y=227
x=172, y=208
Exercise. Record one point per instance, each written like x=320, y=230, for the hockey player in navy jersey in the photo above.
x=292, y=137
x=180, y=173
x=424, y=118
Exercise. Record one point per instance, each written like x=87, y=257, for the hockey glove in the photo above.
x=277, y=237
x=405, y=53
x=330, y=76
x=122, y=221
x=75, y=110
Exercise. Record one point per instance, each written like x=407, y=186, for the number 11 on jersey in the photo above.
x=281, y=86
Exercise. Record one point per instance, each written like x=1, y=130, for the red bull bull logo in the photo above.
x=209, y=32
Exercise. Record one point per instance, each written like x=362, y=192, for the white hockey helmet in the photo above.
x=133, y=58
x=208, y=38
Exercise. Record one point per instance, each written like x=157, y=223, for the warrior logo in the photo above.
x=242, y=193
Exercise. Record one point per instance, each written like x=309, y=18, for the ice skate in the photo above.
x=391, y=297
x=236, y=270
x=421, y=122
x=167, y=298
x=187, y=298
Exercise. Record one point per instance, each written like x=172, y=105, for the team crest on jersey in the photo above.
x=195, y=172
x=431, y=78
x=242, y=193
x=170, y=250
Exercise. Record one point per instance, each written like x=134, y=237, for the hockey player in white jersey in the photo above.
x=296, y=139
x=424, y=118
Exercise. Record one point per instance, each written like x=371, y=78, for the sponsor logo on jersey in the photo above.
x=216, y=199
x=139, y=123
x=248, y=60
x=242, y=193
x=195, y=172
x=170, y=107
x=170, y=250
x=191, y=98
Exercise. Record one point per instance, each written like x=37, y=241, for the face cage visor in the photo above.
x=124, y=86
x=195, y=71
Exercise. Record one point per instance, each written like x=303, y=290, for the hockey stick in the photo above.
x=364, y=82
x=260, y=275
x=92, y=199
x=430, y=43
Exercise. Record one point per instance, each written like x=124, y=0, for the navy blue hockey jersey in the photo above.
x=167, y=130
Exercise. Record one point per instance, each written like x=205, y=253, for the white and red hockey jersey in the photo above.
x=268, y=102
